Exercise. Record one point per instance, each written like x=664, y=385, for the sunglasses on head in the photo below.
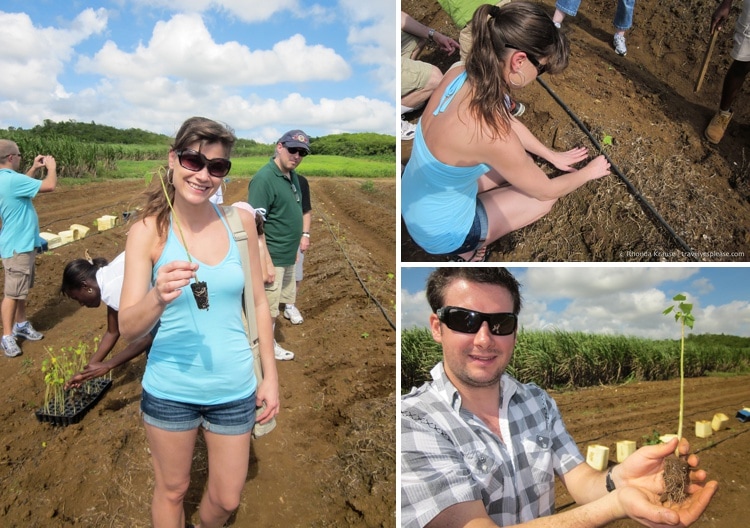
x=195, y=161
x=297, y=150
x=540, y=68
x=470, y=321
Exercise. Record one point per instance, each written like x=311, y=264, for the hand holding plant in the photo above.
x=677, y=470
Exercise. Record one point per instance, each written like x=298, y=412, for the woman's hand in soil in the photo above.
x=598, y=167
x=171, y=278
x=645, y=507
x=90, y=371
x=565, y=160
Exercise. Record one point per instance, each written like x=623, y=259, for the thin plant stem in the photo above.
x=682, y=380
x=177, y=221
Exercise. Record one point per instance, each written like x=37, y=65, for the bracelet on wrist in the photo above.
x=306, y=234
x=609, y=481
x=431, y=35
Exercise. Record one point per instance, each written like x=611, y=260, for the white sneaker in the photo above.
x=10, y=346
x=292, y=313
x=408, y=130
x=27, y=332
x=282, y=354
x=619, y=43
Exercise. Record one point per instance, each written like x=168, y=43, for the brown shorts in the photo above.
x=19, y=275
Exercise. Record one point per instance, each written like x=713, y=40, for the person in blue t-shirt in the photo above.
x=18, y=239
x=199, y=372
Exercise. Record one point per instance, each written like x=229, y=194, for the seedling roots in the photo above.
x=200, y=292
x=676, y=480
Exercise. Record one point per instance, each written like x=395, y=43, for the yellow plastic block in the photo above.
x=66, y=237
x=597, y=457
x=53, y=240
x=720, y=421
x=79, y=231
x=625, y=448
x=703, y=429
x=106, y=222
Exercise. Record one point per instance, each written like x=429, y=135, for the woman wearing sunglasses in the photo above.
x=470, y=179
x=199, y=371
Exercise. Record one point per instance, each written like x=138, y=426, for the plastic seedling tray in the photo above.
x=84, y=402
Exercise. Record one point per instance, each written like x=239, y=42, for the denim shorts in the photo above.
x=232, y=418
x=478, y=232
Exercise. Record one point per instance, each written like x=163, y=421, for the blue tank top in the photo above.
x=202, y=356
x=438, y=201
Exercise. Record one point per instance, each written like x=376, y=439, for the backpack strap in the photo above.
x=240, y=237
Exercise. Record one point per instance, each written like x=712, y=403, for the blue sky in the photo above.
x=613, y=300
x=263, y=67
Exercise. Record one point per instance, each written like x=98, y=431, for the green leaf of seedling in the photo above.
x=679, y=297
x=668, y=310
x=686, y=308
x=607, y=140
x=689, y=320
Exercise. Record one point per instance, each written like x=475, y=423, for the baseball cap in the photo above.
x=295, y=138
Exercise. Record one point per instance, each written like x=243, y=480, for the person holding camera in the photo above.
x=18, y=239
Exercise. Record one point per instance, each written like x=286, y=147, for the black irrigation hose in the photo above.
x=631, y=188
x=356, y=273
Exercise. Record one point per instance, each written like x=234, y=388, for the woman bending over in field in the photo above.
x=470, y=179
x=91, y=282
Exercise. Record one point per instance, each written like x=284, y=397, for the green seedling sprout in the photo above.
x=683, y=315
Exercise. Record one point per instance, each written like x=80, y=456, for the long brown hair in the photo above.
x=519, y=25
x=194, y=130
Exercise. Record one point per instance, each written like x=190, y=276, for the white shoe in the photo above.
x=292, y=313
x=282, y=354
x=10, y=347
x=408, y=130
x=619, y=44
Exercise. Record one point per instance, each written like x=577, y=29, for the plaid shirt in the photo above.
x=449, y=456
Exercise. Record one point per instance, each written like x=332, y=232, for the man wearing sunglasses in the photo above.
x=18, y=239
x=480, y=448
x=276, y=188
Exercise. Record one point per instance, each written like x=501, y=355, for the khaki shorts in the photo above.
x=464, y=37
x=414, y=74
x=19, y=275
x=741, y=50
x=283, y=289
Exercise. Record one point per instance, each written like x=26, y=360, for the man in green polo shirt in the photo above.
x=275, y=188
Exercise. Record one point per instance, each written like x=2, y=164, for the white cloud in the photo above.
x=581, y=282
x=182, y=70
x=184, y=48
x=32, y=58
x=414, y=310
x=245, y=10
x=372, y=37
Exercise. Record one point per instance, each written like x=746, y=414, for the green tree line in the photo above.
x=90, y=149
x=576, y=359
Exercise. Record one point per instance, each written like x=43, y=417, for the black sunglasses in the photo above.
x=469, y=321
x=195, y=161
x=540, y=68
x=297, y=150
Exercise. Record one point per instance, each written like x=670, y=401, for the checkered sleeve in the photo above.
x=565, y=451
x=434, y=475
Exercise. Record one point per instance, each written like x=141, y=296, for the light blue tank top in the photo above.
x=438, y=201
x=202, y=356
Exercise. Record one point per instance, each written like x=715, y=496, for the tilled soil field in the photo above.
x=604, y=415
x=331, y=460
x=646, y=103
